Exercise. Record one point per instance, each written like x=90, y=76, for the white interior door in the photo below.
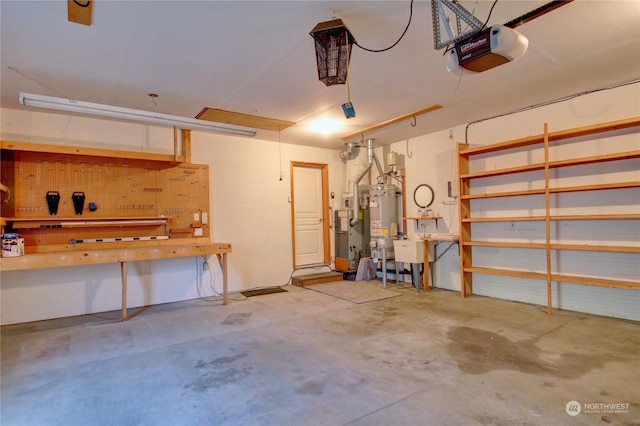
x=308, y=216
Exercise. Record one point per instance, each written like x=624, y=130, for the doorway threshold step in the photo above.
x=320, y=278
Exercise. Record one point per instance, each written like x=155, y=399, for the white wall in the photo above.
x=433, y=162
x=251, y=211
x=250, y=207
x=249, y=204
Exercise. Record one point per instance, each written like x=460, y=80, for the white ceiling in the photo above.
x=257, y=57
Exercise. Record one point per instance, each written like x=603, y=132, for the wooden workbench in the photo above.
x=121, y=255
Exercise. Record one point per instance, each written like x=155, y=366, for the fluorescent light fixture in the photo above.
x=110, y=111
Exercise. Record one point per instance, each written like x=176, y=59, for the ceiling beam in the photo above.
x=392, y=121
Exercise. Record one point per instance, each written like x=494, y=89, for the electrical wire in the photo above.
x=347, y=76
x=280, y=150
x=39, y=83
x=400, y=179
x=488, y=17
x=547, y=103
x=205, y=264
x=397, y=41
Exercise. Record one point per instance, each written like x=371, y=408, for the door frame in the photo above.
x=326, y=235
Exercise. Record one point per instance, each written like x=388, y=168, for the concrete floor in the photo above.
x=305, y=358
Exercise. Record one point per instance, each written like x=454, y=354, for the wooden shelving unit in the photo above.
x=542, y=192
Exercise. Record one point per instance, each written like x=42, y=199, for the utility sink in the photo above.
x=411, y=251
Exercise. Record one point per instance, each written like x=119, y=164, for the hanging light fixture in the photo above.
x=333, y=50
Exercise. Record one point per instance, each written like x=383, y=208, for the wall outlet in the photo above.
x=197, y=232
x=196, y=217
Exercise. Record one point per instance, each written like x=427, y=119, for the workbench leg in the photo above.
x=427, y=267
x=222, y=260
x=123, y=271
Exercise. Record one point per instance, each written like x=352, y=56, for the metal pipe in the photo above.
x=351, y=152
x=356, y=193
x=375, y=158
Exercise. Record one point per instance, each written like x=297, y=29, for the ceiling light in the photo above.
x=132, y=115
x=325, y=126
x=333, y=50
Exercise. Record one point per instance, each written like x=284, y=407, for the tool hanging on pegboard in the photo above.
x=78, y=202
x=53, y=200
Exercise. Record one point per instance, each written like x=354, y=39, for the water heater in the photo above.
x=383, y=207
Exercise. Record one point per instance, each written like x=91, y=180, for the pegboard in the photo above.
x=117, y=190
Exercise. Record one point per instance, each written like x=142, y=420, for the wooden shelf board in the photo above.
x=599, y=187
x=626, y=155
x=510, y=244
x=507, y=272
x=555, y=218
x=554, y=164
x=422, y=217
x=93, y=152
x=507, y=171
x=597, y=282
x=591, y=247
x=539, y=191
x=596, y=217
x=553, y=136
x=594, y=129
x=504, y=219
x=574, y=279
x=442, y=239
x=554, y=246
x=516, y=143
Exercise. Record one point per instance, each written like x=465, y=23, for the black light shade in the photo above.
x=332, y=52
